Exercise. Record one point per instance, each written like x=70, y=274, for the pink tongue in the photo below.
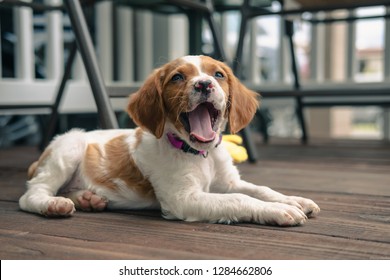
x=200, y=124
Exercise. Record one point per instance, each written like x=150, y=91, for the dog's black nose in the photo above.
x=203, y=86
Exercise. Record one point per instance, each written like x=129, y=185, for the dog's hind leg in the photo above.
x=54, y=169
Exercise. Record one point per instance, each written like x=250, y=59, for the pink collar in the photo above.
x=180, y=144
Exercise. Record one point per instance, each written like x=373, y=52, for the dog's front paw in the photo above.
x=308, y=206
x=59, y=206
x=282, y=214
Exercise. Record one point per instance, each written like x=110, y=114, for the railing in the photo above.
x=154, y=39
x=29, y=92
x=25, y=93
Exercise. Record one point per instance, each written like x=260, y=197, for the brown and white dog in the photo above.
x=174, y=161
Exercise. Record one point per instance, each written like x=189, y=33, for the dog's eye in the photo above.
x=177, y=77
x=218, y=75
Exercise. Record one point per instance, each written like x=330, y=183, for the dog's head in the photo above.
x=193, y=97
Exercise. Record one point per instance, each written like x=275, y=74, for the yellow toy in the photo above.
x=233, y=145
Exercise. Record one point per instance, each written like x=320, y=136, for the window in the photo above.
x=369, y=45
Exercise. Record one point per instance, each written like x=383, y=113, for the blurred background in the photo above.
x=131, y=42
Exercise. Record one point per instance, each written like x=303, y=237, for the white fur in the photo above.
x=187, y=187
x=194, y=60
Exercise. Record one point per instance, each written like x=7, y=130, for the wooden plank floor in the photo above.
x=349, y=180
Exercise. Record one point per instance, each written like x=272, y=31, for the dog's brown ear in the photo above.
x=146, y=106
x=243, y=104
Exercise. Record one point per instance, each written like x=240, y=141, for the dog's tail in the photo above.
x=31, y=172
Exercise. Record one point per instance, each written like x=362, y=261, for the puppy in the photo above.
x=174, y=160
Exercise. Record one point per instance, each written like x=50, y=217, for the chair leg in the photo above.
x=245, y=133
x=294, y=68
x=240, y=44
x=195, y=21
x=50, y=130
x=301, y=119
x=106, y=113
x=195, y=29
x=248, y=144
x=219, y=50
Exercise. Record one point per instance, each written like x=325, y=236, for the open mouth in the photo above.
x=200, y=122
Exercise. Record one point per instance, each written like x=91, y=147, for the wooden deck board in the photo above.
x=121, y=235
x=350, y=182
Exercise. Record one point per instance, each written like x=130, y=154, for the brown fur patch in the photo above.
x=94, y=167
x=243, y=104
x=116, y=163
x=146, y=106
x=32, y=170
